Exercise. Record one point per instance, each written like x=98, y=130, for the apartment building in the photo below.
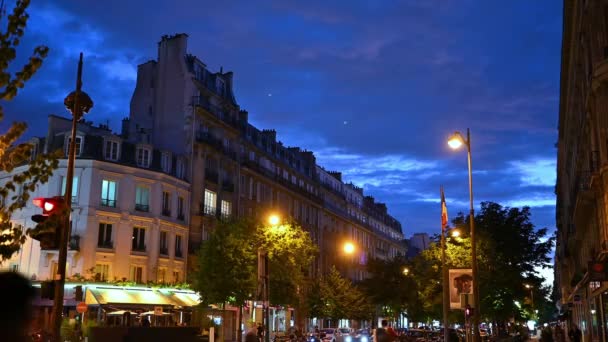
x=238, y=169
x=130, y=205
x=582, y=155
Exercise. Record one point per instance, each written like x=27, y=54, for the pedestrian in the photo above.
x=380, y=334
x=260, y=332
x=575, y=334
x=16, y=310
x=251, y=335
x=392, y=334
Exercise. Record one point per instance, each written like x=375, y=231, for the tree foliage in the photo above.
x=227, y=262
x=509, y=251
x=336, y=297
x=13, y=154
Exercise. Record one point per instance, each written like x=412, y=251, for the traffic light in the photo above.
x=598, y=271
x=468, y=312
x=50, y=222
x=78, y=293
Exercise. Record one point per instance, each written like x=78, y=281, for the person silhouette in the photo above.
x=16, y=310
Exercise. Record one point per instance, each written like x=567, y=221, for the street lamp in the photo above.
x=78, y=103
x=349, y=248
x=531, y=288
x=455, y=142
x=274, y=220
x=406, y=271
x=455, y=233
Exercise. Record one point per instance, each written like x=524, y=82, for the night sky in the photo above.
x=374, y=88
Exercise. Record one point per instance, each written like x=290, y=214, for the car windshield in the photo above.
x=363, y=332
x=328, y=331
x=344, y=330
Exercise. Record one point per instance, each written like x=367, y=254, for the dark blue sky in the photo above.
x=374, y=87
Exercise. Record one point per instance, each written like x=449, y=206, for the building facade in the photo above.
x=582, y=177
x=129, y=210
x=236, y=169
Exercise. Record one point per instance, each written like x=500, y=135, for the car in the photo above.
x=362, y=335
x=328, y=335
x=344, y=335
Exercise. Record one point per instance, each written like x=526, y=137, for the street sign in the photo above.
x=158, y=310
x=82, y=307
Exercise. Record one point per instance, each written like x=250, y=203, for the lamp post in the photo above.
x=78, y=103
x=455, y=142
x=531, y=288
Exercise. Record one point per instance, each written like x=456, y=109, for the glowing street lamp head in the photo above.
x=455, y=140
x=455, y=233
x=349, y=248
x=528, y=286
x=274, y=219
x=406, y=271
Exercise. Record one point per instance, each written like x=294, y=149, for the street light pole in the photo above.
x=77, y=103
x=456, y=141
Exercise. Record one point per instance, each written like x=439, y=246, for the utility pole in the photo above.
x=78, y=103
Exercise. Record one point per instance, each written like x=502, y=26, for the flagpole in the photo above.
x=446, y=294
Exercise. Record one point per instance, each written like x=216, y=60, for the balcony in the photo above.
x=216, y=111
x=209, y=210
x=211, y=176
x=178, y=254
x=180, y=216
x=142, y=207
x=164, y=252
x=111, y=203
x=228, y=186
x=166, y=212
x=139, y=248
x=105, y=244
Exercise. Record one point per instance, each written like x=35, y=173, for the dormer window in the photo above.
x=143, y=156
x=77, y=146
x=165, y=162
x=111, y=150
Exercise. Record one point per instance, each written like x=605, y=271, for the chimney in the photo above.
x=124, y=131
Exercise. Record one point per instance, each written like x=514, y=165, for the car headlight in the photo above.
x=364, y=339
x=348, y=339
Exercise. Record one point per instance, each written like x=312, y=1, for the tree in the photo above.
x=509, y=250
x=389, y=288
x=335, y=297
x=13, y=154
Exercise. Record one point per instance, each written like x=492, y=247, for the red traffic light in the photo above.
x=598, y=267
x=48, y=205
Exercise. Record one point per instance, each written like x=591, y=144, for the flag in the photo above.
x=444, y=212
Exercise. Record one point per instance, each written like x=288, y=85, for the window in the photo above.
x=74, y=188
x=176, y=277
x=161, y=277
x=104, y=237
x=210, y=202
x=108, y=193
x=164, y=249
x=178, y=246
x=180, y=169
x=166, y=203
x=165, y=162
x=54, y=268
x=143, y=157
x=180, y=208
x=111, y=150
x=102, y=272
x=136, y=273
x=226, y=209
x=77, y=146
x=142, y=198
x=138, y=242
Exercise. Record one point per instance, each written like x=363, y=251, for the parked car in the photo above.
x=362, y=335
x=328, y=335
x=343, y=335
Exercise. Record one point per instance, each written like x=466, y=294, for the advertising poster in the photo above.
x=460, y=282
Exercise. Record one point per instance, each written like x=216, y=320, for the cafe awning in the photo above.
x=141, y=296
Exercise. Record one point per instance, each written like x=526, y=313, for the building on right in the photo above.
x=582, y=177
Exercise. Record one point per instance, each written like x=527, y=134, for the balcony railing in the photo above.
x=208, y=210
x=178, y=254
x=180, y=216
x=166, y=212
x=105, y=244
x=164, y=251
x=108, y=202
x=138, y=248
x=142, y=207
x=211, y=176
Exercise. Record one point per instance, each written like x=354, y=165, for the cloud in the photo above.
x=533, y=172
